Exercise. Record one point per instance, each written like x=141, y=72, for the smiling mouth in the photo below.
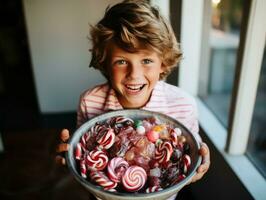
x=135, y=88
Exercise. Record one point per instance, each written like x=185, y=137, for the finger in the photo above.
x=204, y=149
x=203, y=168
x=205, y=153
x=60, y=160
x=64, y=135
x=190, y=181
x=196, y=177
x=62, y=147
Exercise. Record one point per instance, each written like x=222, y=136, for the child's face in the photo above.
x=134, y=75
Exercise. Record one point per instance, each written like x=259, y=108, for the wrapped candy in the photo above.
x=123, y=148
x=140, y=130
x=177, y=154
x=142, y=162
x=154, y=181
x=153, y=135
x=130, y=155
x=120, y=121
x=147, y=125
x=155, y=172
x=178, y=179
x=164, y=133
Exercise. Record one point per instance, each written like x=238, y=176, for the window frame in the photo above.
x=231, y=145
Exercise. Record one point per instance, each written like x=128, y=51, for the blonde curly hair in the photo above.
x=134, y=25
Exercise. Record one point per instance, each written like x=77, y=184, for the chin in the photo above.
x=137, y=104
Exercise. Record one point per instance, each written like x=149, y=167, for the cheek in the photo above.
x=117, y=74
x=153, y=74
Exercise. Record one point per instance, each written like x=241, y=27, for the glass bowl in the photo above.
x=133, y=114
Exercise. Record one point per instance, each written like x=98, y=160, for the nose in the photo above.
x=135, y=70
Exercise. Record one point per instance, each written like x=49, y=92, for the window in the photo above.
x=256, y=150
x=239, y=137
x=221, y=46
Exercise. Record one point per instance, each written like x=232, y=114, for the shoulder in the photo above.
x=174, y=93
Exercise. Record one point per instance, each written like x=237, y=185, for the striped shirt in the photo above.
x=165, y=98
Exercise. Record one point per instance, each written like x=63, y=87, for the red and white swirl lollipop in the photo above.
x=78, y=151
x=106, y=138
x=84, y=139
x=187, y=163
x=163, y=152
x=175, y=134
x=97, y=129
x=116, y=168
x=96, y=160
x=101, y=179
x=134, y=178
x=83, y=169
x=174, y=137
x=154, y=188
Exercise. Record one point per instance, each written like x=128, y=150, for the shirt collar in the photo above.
x=112, y=102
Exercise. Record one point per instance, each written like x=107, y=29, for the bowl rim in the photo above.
x=99, y=189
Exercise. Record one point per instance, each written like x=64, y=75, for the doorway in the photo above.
x=18, y=102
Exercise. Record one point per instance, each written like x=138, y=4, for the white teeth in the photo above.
x=134, y=87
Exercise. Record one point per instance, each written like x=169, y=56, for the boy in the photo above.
x=135, y=49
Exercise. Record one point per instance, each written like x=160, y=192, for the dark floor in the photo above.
x=28, y=171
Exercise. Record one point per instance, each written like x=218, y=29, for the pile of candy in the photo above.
x=133, y=156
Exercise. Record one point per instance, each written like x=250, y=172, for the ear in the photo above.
x=162, y=68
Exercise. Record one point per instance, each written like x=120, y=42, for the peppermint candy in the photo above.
x=163, y=152
x=174, y=137
x=116, y=168
x=106, y=138
x=101, y=179
x=154, y=188
x=134, y=178
x=187, y=163
x=96, y=160
x=78, y=151
x=117, y=137
x=83, y=169
x=84, y=139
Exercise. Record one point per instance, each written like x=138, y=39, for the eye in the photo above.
x=120, y=62
x=146, y=61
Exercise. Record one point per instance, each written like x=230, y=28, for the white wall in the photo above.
x=57, y=33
